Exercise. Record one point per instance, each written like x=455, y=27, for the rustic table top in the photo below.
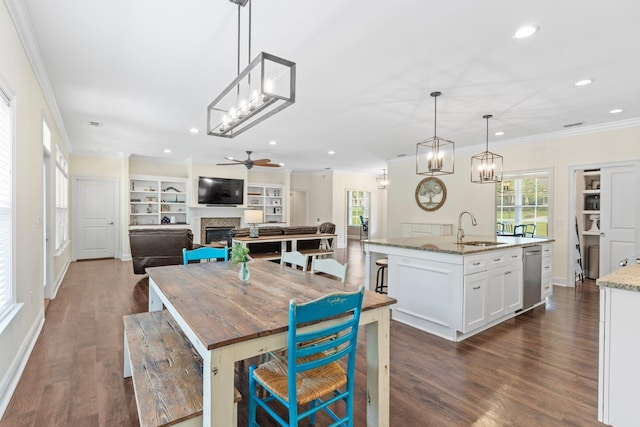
x=222, y=310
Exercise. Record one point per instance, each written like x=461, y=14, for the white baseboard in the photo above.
x=60, y=278
x=10, y=381
x=557, y=281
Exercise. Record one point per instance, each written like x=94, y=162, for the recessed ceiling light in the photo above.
x=583, y=82
x=499, y=133
x=332, y=152
x=194, y=130
x=229, y=157
x=167, y=150
x=526, y=31
x=281, y=164
x=272, y=143
x=616, y=111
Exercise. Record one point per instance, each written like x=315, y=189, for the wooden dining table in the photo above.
x=228, y=320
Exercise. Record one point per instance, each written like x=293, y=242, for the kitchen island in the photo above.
x=619, y=371
x=455, y=290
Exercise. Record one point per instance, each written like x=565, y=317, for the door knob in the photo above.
x=601, y=234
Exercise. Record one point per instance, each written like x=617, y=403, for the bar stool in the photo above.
x=382, y=264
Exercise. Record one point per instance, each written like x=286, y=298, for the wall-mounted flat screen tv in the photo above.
x=220, y=191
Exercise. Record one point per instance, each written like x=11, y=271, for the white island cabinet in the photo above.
x=451, y=290
x=619, y=370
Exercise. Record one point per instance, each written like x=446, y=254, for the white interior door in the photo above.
x=618, y=216
x=95, y=202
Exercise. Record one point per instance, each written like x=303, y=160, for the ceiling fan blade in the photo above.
x=262, y=161
x=234, y=160
x=229, y=164
x=268, y=165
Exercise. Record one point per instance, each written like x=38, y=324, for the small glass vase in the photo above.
x=244, y=273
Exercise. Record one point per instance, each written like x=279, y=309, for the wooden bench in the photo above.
x=166, y=371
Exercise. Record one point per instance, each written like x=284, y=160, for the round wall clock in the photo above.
x=431, y=194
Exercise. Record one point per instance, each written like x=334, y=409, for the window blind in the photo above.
x=5, y=205
x=62, y=199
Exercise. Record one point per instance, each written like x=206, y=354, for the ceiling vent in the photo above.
x=96, y=124
x=571, y=125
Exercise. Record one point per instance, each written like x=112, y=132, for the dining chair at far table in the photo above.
x=329, y=266
x=204, y=252
x=295, y=258
x=311, y=370
x=525, y=230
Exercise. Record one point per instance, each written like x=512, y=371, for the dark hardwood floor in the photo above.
x=539, y=369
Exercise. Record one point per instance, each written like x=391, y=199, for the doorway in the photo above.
x=95, y=222
x=605, y=210
x=358, y=214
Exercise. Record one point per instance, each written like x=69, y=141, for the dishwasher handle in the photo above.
x=535, y=252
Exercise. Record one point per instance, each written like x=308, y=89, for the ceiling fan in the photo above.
x=249, y=163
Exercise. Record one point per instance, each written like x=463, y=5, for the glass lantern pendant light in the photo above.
x=383, y=182
x=435, y=156
x=486, y=167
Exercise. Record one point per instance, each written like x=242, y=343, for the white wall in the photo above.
x=319, y=188
x=327, y=199
x=17, y=77
x=557, y=153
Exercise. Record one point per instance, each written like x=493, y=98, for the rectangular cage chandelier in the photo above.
x=265, y=87
x=435, y=156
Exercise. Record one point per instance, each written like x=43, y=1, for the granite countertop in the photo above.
x=448, y=244
x=623, y=278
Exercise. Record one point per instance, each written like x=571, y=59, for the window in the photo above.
x=523, y=199
x=6, y=247
x=62, y=199
x=358, y=206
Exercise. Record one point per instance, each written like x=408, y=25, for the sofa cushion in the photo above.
x=299, y=229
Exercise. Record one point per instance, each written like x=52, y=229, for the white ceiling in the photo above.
x=147, y=69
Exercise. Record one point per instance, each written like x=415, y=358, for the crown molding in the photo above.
x=22, y=20
x=582, y=130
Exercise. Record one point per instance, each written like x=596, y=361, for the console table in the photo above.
x=326, y=244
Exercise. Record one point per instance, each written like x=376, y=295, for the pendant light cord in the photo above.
x=238, y=73
x=435, y=115
x=487, y=116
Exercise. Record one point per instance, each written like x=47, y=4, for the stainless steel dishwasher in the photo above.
x=531, y=276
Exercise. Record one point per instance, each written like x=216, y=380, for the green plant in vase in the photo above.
x=240, y=255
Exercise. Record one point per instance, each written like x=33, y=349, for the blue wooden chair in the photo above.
x=204, y=252
x=311, y=370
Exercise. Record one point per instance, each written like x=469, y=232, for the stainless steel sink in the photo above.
x=481, y=243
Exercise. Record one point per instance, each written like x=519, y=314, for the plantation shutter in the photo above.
x=5, y=205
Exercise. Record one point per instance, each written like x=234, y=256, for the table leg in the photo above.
x=378, y=370
x=155, y=303
x=218, y=388
x=367, y=271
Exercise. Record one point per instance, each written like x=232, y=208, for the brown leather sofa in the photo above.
x=155, y=247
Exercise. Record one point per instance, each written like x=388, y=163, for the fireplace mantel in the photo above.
x=203, y=216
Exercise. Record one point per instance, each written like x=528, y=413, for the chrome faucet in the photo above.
x=460, y=230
